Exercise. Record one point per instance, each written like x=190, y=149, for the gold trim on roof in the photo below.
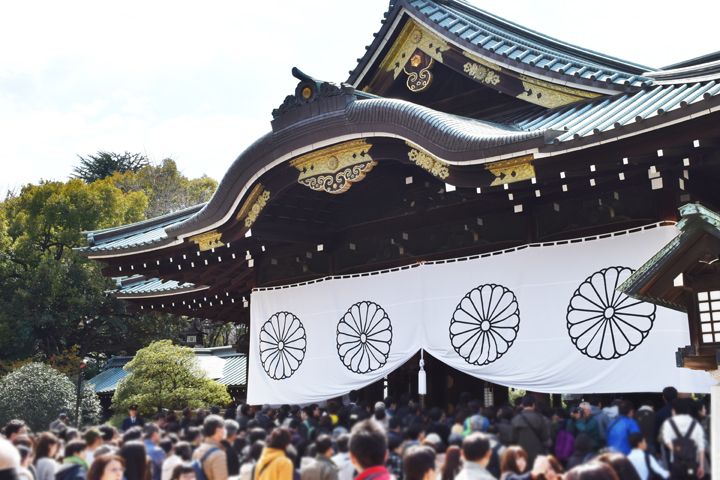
x=335, y=169
x=257, y=208
x=549, y=94
x=208, y=240
x=482, y=61
x=250, y=201
x=413, y=36
x=428, y=162
x=481, y=74
x=511, y=171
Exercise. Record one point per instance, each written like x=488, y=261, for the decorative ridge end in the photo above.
x=310, y=90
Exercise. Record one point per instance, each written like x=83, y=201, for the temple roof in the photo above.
x=138, y=285
x=523, y=49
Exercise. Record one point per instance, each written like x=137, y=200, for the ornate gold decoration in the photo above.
x=257, y=208
x=335, y=169
x=481, y=74
x=416, y=60
x=419, y=82
x=549, y=94
x=511, y=171
x=208, y=240
x=306, y=93
x=482, y=61
x=251, y=199
x=428, y=162
x=413, y=36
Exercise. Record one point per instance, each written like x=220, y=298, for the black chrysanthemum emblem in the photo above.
x=364, y=336
x=604, y=323
x=485, y=324
x=282, y=345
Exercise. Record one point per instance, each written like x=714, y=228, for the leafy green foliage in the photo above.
x=38, y=393
x=104, y=164
x=166, y=188
x=163, y=375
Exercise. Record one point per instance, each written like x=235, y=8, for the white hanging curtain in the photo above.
x=542, y=318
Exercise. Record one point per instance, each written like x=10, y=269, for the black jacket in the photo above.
x=127, y=423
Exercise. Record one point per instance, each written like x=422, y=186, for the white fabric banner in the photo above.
x=541, y=318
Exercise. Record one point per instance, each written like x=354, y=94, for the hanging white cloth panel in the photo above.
x=541, y=318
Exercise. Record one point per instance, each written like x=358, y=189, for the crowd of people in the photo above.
x=390, y=439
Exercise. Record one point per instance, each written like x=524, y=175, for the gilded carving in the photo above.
x=481, y=74
x=412, y=37
x=257, y=208
x=549, y=94
x=250, y=201
x=420, y=81
x=335, y=169
x=483, y=62
x=511, y=171
x=208, y=240
x=428, y=162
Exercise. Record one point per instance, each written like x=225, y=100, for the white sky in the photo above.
x=196, y=81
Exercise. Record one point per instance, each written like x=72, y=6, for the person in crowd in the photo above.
x=514, y=462
x=322, y=467
x=138, y=465
x=529, y=429
x=419, y=463
x=369, y=451
x=476, y=422
x=231, y=433
x=504, y=419
x=592, y=471
x=645, y=418
x=581, y=422
x=199, y=419
x=669, y=394
x=346, y=470
x=248, y=467
x=687, y=462
x=182, y=453
x=452, y=464
x=583, y=451
x=25, y=461
x=45, y=451
x=160, y=419
x=211, y=453
x=390, y=406
x=497, y=449
x=644, y=463
x=132, y=419
x=157, y=455
x=264, y=418
x=599, y=415
x=476, y=455
x=74, y=465
x=62, y=418
x=193, y=435
x=93, y=440
x=107, y=467
x=108, y=432
x=623, y=468
x=273, y=463
x=461, y=415
x=244, y=416
x=394, y=462
x=14, y=429
x=619, y=430
x=187, y=419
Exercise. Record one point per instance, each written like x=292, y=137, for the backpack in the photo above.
x=685, y=455
x=197, y=464
x=564, y=445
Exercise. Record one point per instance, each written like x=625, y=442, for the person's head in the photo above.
x=416, y=431
x=187, y=413
x=452, y=464
x=256, y=434
x=256, y=450
x=183, y=450
x=682, y=406
x=354, y=396
x=324, y=445
x=135, y=457
x=132, y=411
x=592, y=471
x=669, y=394
x=152, y=433
x=390, y=403
x=368, y=445
x=15, y=428
x=76, y=448
x=47, y=446
x=476, y=406
x=636, y=440
x=476, y=448
x=93, y=438
x=380, y=414
x=25, y=455
x=63, y=417
x=108, y=432
x=166, y=444
x=623, y=467
x=135, y=433
x=343, y=441
x=594, y=400
x=528, y=401
x=625, y=408
x=419, y=463
x=332, y=408
x=514, y=460
x=214, y=427
x=183, y=472
x=245, y=409
x=586, y=408
x=107, y=467
x=279, y=439
x=266, y=409
x=394, y=424
x=231, y=430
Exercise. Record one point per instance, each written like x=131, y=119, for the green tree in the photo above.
x=166, y=188
x=104, y=164
x=163, y=375
x=38, y=393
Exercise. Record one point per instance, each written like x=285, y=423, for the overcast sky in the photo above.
x=196, y=81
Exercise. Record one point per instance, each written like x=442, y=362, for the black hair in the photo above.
x=107, y=432
x=670, y=394
x=294, y=423
x=417, y=461
x=594, y=400
x=368, y=444
x=476, y=406
x=394, y=423
x=134, y=433
x=245, y=408
x=625, y=408
x=279, y=438
x=528, y=400
x=394, y=441
x=135, y=460
x=323, y=443
x=166, y=444
x=191, y=434
x=151, y=429
x=682, y=406
x=256, y=450
x=389, y=400
x=183, y=450
x=159, y=415
x=635, y=439
x=211, y=424
x=414, y=430
x=342, y=442
x=380, y=414
x=435, y=414
x=592, y=471
x=13, y=426
x=256, y=434
x=354, y=396
x=74, y=447
x=475, y=446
